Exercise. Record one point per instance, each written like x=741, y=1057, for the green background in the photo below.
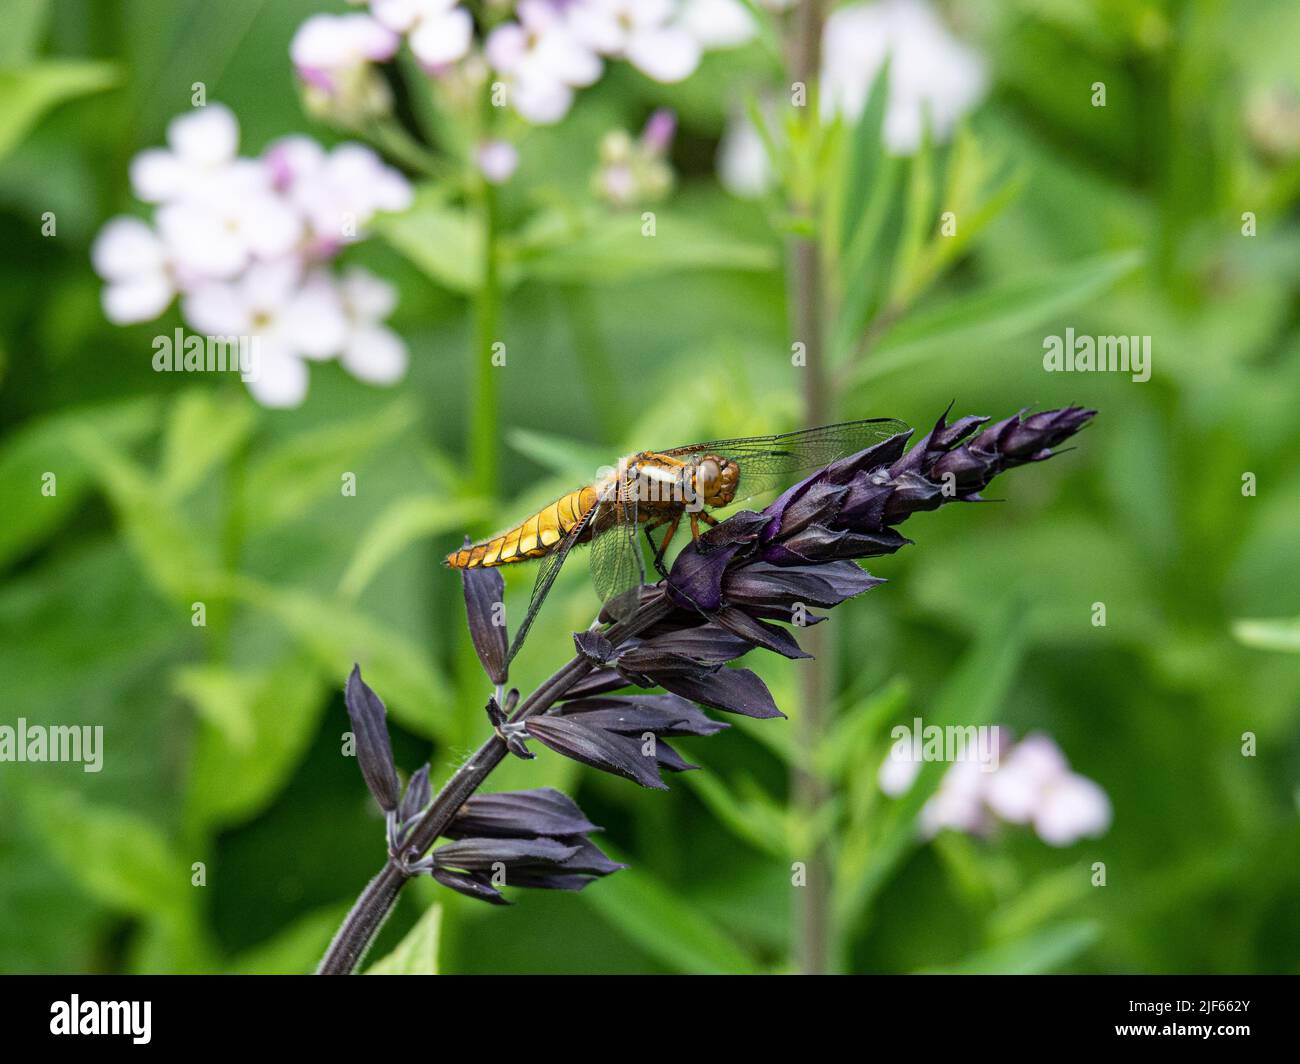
x=222, y=743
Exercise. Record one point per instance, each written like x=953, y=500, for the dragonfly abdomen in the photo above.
x=535, y=537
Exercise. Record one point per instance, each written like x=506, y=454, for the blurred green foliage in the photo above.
x=222, y=742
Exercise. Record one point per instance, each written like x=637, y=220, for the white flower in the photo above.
x=202, y=142
x=718, y=23
x=743, y=165
x=328, y=50
x=1017, y=787
x=438, y=31
x=1073, y=807
x=229, y=219
x=132, y=259
x=340, y=193
x=290, y=317
x=544, y=60
x=899, y=770
x=958, y=804
x=497, y=160
x=647, y=33
x=372, y=352
x=930, y=71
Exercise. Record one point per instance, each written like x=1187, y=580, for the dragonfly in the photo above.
x=653, y=490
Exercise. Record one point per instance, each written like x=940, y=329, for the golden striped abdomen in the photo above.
x=534, y=538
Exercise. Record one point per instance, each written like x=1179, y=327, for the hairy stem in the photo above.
x=813, y=934
x=367, y=916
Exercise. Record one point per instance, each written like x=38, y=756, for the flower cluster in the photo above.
x=546, y=51
x=247, y=244
x=636, y=171
x=1031, y=784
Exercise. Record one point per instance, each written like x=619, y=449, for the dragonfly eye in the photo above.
x=707, y=475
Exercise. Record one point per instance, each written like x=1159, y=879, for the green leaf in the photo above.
x=754, y=818
x=666, y=925
x=611, y=249
x=42, y=447
x=439, y=239
x=972, y=696
x=403, y=522
x=561, y=455
x=28, y=92
x=171, y=553
x=335, y=634
x=203, y=429
x=1044, y=951
x=996, y=313
x=117, y=857
x=1269, y=634
x=417, y=953
x=285, y=481
x=25, y=21
x=294, y=951
x=256, y=727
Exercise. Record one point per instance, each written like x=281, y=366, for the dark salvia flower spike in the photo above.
x=374, y=750
x=719, y=600
x=485, y=608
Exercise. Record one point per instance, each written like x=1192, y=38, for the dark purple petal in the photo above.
x=731, y=690
x=825, y=585
x=598, y=682
x=482, y=854
x=695, y=580
x=418, y=794
x=374, y=750
x=593, y=646
x=822, y=544
x=638, y=663
x=665, y=714
x=588, y=859
x=670, y=759
x=518, y=814
x=485, y=609
x=819, y=503
x=704, y=642
x=474, y=885
x=607, y=751
x=767, y=636
x=550, y=880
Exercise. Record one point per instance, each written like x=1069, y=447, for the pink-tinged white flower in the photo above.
x=1035, y=785
x=647, y=33
x=497, y=160
x=340, y=193
x=636, y=171
x=543, y=60
x=931, y=73
x=131, y=257
x=372, y=351
x=329, y=51
x=227, y=221
x=439, y=32
x=200, y=145
x=1031, y=784
x=291, y=318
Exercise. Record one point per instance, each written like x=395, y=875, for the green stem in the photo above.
x=814, y=946
x=481, y=440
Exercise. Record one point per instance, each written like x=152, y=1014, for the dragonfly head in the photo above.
x=716, y=479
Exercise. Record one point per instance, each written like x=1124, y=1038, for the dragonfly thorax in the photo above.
x=715, y=480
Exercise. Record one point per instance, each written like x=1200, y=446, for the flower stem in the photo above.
x=482, y=431
x=813, y=945
x=367, y=916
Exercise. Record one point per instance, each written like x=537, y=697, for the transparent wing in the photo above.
x=547, y=572
x=616, y=563
x=770, y=462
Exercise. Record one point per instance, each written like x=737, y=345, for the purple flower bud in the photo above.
x=484, y=606
x=374, y=750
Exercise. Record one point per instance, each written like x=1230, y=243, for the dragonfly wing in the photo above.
x=770, y=462
x=546, y=574
x=616, y=563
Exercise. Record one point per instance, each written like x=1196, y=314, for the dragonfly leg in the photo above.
x=708, y=519
x=661, y=548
